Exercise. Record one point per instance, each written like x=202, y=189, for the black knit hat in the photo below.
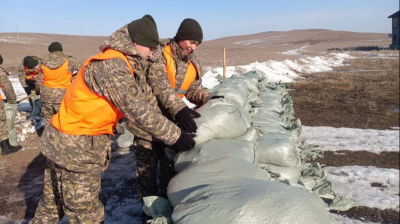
x=1, y=59
x=26, y=59
x=32, y=63
x=189, y=29
x=55, y=46
x=144, y=31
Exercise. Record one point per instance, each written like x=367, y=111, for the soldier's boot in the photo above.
x=6, y=148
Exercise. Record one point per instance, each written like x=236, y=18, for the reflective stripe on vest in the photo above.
x=58, y=78
x=83, y=112
x=190, y=75
x=31, y=75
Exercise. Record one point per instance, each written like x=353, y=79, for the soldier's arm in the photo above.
x=74, y=65
x=22, y=75
x=39, y=81
x=196, y=94
x=7, y=87
x=157, y=78
x=113, y=80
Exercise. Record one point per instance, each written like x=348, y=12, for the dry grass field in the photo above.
x=362, y=94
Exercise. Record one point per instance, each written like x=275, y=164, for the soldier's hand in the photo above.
x=185, y=142
x=185, y=119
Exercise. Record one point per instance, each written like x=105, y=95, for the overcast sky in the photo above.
x=218, y=18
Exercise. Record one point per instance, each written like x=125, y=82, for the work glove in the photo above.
x=184, y=117
x=217, y=97
x=185, y=142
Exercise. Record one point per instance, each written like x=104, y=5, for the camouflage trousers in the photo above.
x=148, y=154
x=3, y=125
x=48, y=110
x=73, y=194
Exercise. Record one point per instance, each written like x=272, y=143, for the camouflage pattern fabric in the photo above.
x=147, y=156
x=53, y=61
x=129, y=94
x=73, y=194
x=4, y=134
x=158, y=79
x=48, y=110
x=6, y=86
x=22, y=74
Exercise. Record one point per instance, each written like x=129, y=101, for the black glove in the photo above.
x=216, y=97
x=185, y=142
x=185, y=119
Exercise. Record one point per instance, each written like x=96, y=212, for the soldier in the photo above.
x=175, y=73
x=56, y=74
x=8, y=90
x=77, y=144
x=28, y=75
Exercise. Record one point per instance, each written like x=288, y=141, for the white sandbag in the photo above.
x=249, y=201
x=291, y=174
x=221, y=119
x=237, y=148
x=254, y=100
x=269, y=116
x=267, y=126
x=256, y=74
x=209, y=170
x=251, y=85
x=250, y=135
x=232, y=94
x=11, y=112
x=155, y=207
x=275, y=151
x=124, y=140
x=290, y=136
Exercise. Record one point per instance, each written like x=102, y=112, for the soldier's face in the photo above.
x=188, y=45
x=146, y=52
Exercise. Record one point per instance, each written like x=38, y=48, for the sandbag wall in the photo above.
x=247, y=163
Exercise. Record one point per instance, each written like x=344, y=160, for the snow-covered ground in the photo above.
x=353, y=181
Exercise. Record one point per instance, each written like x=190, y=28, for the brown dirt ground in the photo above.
x=346, y=97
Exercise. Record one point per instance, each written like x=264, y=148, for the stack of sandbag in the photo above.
x=220, y=179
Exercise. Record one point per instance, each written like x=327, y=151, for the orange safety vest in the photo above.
x=59, y=78
x=1, y=97
x=31, y=75
x=83, y=112
x=190, y=75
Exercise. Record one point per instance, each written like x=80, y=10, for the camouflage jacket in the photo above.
x=6, y=86
x=157, y=77
x=53, y=61
x=130, y=94
x=22, y=74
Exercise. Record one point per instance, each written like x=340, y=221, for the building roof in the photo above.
x=396, y=14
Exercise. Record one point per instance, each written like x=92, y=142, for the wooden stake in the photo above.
x=224, y=75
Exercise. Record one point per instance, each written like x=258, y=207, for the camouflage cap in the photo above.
x=26, y=59
x=144, y=31
x=1, y=59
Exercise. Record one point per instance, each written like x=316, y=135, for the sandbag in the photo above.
x=269, y=116
x=250, y=201
x=157, y=208
x=232, y=94
x=256, y=75
x=236, y=148
x=11, y=113
x=208, y=170
x=250, y=135
x=275, y=151
x=126, y=139
x=221, y=119
x=280, y=173
x=251, y=85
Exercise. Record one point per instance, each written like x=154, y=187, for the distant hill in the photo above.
x=240, y=50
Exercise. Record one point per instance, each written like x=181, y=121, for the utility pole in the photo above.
x=17, y=31
x=224, y=74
